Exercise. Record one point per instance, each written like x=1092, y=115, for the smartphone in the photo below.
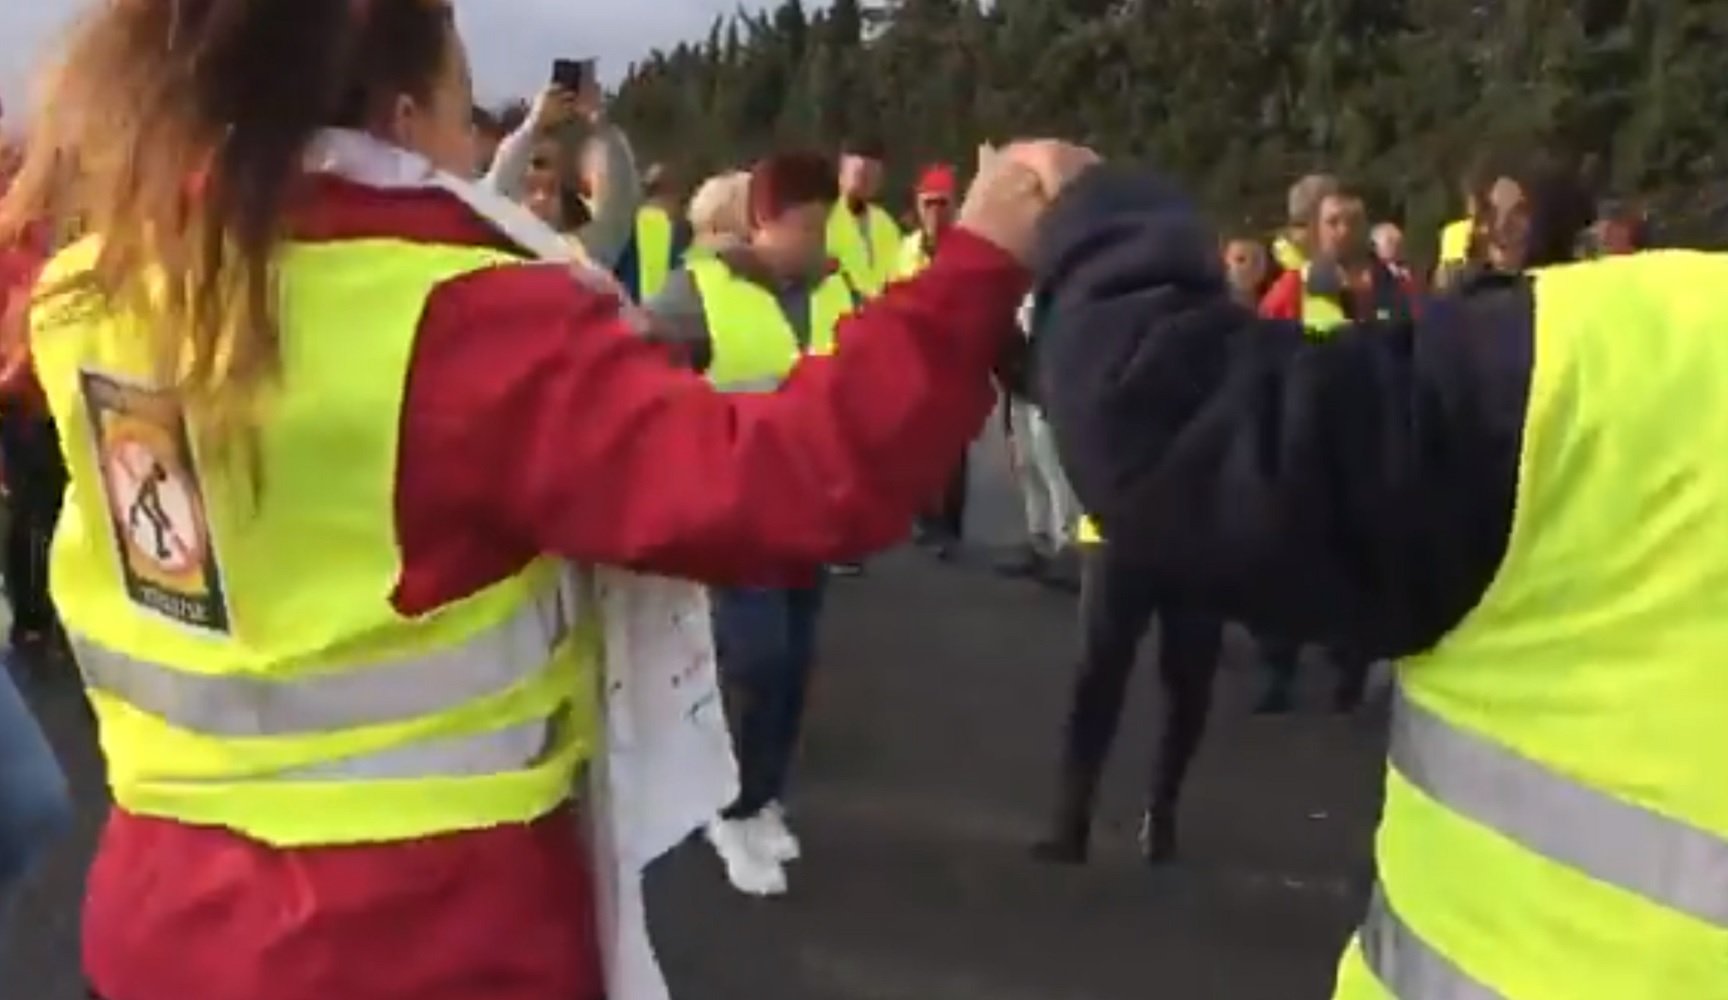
x=573, y=75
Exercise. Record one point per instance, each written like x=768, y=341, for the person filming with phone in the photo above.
x=588, y=191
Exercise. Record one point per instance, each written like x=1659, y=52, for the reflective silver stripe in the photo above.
x=361, y=695
x=767, y=383
x=1665, y=860
x=501, y=751
x=1406, y=965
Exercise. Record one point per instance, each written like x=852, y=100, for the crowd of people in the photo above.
x=568, y=365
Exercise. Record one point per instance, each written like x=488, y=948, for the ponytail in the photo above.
x=173, y=132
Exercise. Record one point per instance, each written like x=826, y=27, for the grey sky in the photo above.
x=513, y=42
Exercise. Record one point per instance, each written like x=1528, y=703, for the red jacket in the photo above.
x=19, y=265
x=1284, y=299
x=537, y=421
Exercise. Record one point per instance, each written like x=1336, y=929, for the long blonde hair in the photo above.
x=172, y=131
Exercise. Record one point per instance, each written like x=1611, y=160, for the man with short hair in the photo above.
x=1293, y=247
x=862, y=236
x=1343, y=280
x=745, y=315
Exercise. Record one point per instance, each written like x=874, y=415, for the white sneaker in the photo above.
x=749, y=867
x=778, y=840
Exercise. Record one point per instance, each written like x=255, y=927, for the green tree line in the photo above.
x=1235, y=97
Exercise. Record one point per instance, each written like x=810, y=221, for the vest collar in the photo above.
x=362, y=159
x=1324, y=279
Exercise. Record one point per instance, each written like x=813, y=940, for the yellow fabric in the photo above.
x=1088, y=533
x=752, y=341
x=1288, y=255
x=1597, y=649
x=653, y=250
x=1320, y=315
x=1455, y=241
x=913, y=259
x=870, y=266
x=307, y=564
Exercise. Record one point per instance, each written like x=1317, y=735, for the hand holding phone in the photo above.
x=572, y=74
x=579, y=79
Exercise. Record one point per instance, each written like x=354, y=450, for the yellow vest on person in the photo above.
x=1289, y=256
x=1323, y=314
x=754, y=346
x=1455, y=241
x=236, y=634
x=1556, y=818
x=871, y=264
x=913, y=258
x=654, y=238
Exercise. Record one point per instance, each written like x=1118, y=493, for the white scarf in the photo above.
x=667, y=766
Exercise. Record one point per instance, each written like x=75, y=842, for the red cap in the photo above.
x=937, y=182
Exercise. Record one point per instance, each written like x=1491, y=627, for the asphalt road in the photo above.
x=926, y=772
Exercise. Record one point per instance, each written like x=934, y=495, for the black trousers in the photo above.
x=1117, y=607
x=1283, y=657
x=946, y=517
x=36, y=478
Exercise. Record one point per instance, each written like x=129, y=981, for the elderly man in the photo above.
x=1388, y=242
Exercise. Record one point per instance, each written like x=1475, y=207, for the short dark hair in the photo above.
x=869, y=147
x=787, y=180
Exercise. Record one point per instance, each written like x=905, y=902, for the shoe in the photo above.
x=777, y=839
x=1028, y=563
x=748, y=866
x=1069, y=841
x=1158, y=837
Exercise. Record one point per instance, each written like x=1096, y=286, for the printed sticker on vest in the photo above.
x=155, y=504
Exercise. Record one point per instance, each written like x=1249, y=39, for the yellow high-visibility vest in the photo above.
x=1455, y=241
x=1322, y=314
x=1556, y=819
x=654, y=238
x=1289, y=256
x=869, y=266
x=753, y=344
x=245, y=664
x=913, y=257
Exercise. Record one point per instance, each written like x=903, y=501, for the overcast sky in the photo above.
x=513, y=42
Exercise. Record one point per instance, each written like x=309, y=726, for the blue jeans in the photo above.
x=34, y=802
x=766, y=641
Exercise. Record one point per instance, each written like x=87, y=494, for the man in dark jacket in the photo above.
x=1517, y=493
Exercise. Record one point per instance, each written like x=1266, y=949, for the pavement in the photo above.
x=926, y=772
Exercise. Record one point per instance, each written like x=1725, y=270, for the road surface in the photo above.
x=926, y=772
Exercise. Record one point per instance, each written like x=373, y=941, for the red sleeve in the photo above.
x=1413, y=291
x=1284, y=299
x=19, y=267
x=537, y=418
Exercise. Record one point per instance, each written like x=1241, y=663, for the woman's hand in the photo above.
x=554, y=107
